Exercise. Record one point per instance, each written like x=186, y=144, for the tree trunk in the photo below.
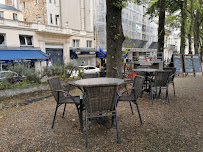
x=183, y=17
x=161, y=30
x=115, y=39
x=190, y=32
x=196, y=30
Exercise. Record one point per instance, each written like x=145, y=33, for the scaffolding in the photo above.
x=135, y=23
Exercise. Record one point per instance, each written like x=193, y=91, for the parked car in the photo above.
x=15, y=75
x=89, y=69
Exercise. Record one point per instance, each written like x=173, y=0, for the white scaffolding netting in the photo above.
x=136, y=24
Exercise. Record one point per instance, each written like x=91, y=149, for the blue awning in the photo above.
x=19, y=56
x=101, y=53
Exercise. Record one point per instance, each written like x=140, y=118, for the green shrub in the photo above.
x=31, y=74
x=61, y=70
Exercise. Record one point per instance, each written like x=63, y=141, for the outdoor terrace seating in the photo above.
x=63, y=97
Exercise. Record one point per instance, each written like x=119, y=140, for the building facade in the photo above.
x=136, y=26
x=47, y=29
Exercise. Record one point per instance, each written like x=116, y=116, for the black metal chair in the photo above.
x=132, y=94
x=100, y=101
x=161, y=81
x=147, y=80
x=89, y=75
x=63, y=97
x=172, y=75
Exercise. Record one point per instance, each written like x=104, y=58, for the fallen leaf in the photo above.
x=133, y=142
x=1, y=117
x=182, y=149
x=199, y=133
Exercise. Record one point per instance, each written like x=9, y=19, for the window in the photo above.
x=57, y=19
x=38, y=19
x=1, y=14
x=25, y=40
x=76, y=43
x=2, y=39
x=24, y=4
x=89, y=43
x=36, y=1
x=51, y=21
x=15, y=16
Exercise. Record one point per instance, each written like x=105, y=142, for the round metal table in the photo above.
x=148, y=74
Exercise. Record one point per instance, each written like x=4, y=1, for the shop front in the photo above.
x=29, y=56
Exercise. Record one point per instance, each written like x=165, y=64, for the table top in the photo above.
x=146, y=70
x=99, y=81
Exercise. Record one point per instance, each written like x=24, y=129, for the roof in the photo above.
x=7, y=7
x=153, y=45
x=134, y=43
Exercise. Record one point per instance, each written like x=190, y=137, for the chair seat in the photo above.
x=69, y=100
x=125, y=98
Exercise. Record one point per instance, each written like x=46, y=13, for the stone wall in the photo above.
x=32, y=10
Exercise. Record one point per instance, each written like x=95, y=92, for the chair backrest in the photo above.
x=89, y=75
x=100, y=98
x=162, y=77
x=138, y=83
x=173, y=70
x=55, y=84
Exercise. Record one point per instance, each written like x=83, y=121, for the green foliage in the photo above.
x=61, y=70
x=4, y=85
x=79, y=74
x=154, y=6
x=127, y=37
x=173, y=21
x=113, y=26
x=121, y=3
x=116, y=36
x=31, y=74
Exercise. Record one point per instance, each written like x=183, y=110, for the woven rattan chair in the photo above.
x=89, y=75
x=100, y=101
x=63, y=97
x=161, y=81
x=132, y=94
x=172, y=75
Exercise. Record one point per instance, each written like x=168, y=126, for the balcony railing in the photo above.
x=43, y=28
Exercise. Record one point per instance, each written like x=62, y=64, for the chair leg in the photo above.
x=138, y=112
x=80, y=117
x=174, y=89
x=86, y=132
x=167, y=94
x=54, y=116
x=159, y=92
x=152, y=96
x=118, y=139
x=64, y=110
x=112, y=121
x=131, y=107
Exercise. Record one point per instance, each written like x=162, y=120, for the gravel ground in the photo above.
x=177, y=126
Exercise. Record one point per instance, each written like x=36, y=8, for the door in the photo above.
x=55, y=55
